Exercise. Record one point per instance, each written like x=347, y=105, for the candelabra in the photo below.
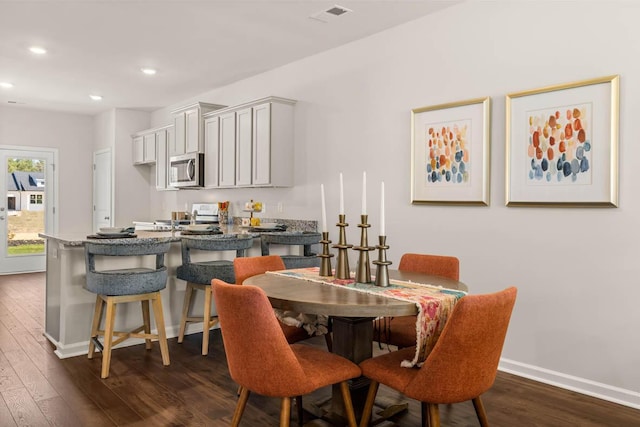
x=342, y=267
x=325, y=262
x=382, y=270
x=363, y=272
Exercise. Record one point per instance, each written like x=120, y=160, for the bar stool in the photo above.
x=198, y=275
x=126, y=285
x=305, y=239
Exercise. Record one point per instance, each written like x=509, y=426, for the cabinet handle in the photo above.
x=106, y=217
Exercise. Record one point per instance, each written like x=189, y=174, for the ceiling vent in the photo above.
x=330, y=14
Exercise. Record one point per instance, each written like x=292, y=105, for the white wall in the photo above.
x=576, y=321
x=72, y=135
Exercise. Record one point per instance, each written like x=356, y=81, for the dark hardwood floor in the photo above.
x=38, y=389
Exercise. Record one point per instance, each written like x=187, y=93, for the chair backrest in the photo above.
x=258, y=355
x=464, y=362
x=251, y=266
x=438, y=265
x=227, y=242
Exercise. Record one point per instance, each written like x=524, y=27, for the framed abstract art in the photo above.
x=562, y=145
x=450, y=153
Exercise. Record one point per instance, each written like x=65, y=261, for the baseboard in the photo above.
x=64, y=351
x=580, y=385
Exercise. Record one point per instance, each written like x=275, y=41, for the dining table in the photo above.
x=351, y=312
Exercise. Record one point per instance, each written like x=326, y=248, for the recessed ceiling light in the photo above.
x=96, y=97
x=148, y=71
x=38, y=50
x=6, y=85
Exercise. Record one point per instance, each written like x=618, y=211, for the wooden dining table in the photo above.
x=351, y=312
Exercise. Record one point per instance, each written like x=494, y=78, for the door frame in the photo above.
x=111, y=187
x=51, y=200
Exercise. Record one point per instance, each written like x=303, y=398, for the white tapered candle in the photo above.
x=382, y=230
x=324, y=210
x=364, y=193
x=341, y=195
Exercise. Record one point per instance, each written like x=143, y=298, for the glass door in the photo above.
x=26, y=210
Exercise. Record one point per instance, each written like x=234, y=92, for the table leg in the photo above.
x=352, y=339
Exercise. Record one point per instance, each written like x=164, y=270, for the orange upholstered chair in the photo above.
x=283, y=370
x=462, y=365
x=401, y=330
x=250, y=266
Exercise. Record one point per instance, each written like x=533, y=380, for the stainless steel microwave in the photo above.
x=186, y=170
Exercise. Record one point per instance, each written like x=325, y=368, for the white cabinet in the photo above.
x=150, y=148
x=211, y=151
x=243, y=146
x=255, y=144
x=163, y=140
x=227, y=161
x=138, y=150
x=189, y=128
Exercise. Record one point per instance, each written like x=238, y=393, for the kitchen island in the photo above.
x=69, y=307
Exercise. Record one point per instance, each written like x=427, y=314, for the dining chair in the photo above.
x=252, y=266
x=462, y=365
x=401, y=330
x=284, y=370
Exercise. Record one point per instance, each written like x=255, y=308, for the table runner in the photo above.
x=434, y=304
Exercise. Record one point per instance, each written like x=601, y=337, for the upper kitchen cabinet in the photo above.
x=144, y=147
x=189, y=128
x=253, y=143
x=164, y=138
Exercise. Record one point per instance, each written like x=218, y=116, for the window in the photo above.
x=35, y=199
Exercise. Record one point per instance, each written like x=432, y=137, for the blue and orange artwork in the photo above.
x=559, y=145
x=448, y=152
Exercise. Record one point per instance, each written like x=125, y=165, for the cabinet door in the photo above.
x=262, y=144
x=211, y=150
x=227, y=171
x=178, y=145
x=192, y=131
x=138, y=150
x=161, y=160
x=150, y=148
x=243, y=146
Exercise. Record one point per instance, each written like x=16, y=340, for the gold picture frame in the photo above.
x=450, y=153
x=562, y=145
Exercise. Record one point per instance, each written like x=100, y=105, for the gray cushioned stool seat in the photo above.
x=126, y=285
x=199, y=275
x=128, y=281
x=305, y=239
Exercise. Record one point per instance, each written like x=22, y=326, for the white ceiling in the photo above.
x=99, y=46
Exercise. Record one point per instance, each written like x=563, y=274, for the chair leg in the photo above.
x=108, y=337
x=162, y=335
x=482, y=415
x=242, y=402
x=299, y=409
x=368, y=405
x=285, y=412
x=434, y=415
x=206, y=320
x=348, y=404
x=147, y=322
x=185, y=311
x=95, y=325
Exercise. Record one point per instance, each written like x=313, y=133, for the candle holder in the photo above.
x=382, y=270
x=342, y=267
x=325, y=262
x=363, y=271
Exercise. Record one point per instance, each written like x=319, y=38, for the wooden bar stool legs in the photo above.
x=208, y=321
x=143, y=331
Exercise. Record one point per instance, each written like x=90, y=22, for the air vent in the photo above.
x=330, y=14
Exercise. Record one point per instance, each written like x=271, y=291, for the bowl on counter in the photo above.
x=111, y=230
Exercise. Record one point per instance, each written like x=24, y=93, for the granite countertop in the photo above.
x=296, y=227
